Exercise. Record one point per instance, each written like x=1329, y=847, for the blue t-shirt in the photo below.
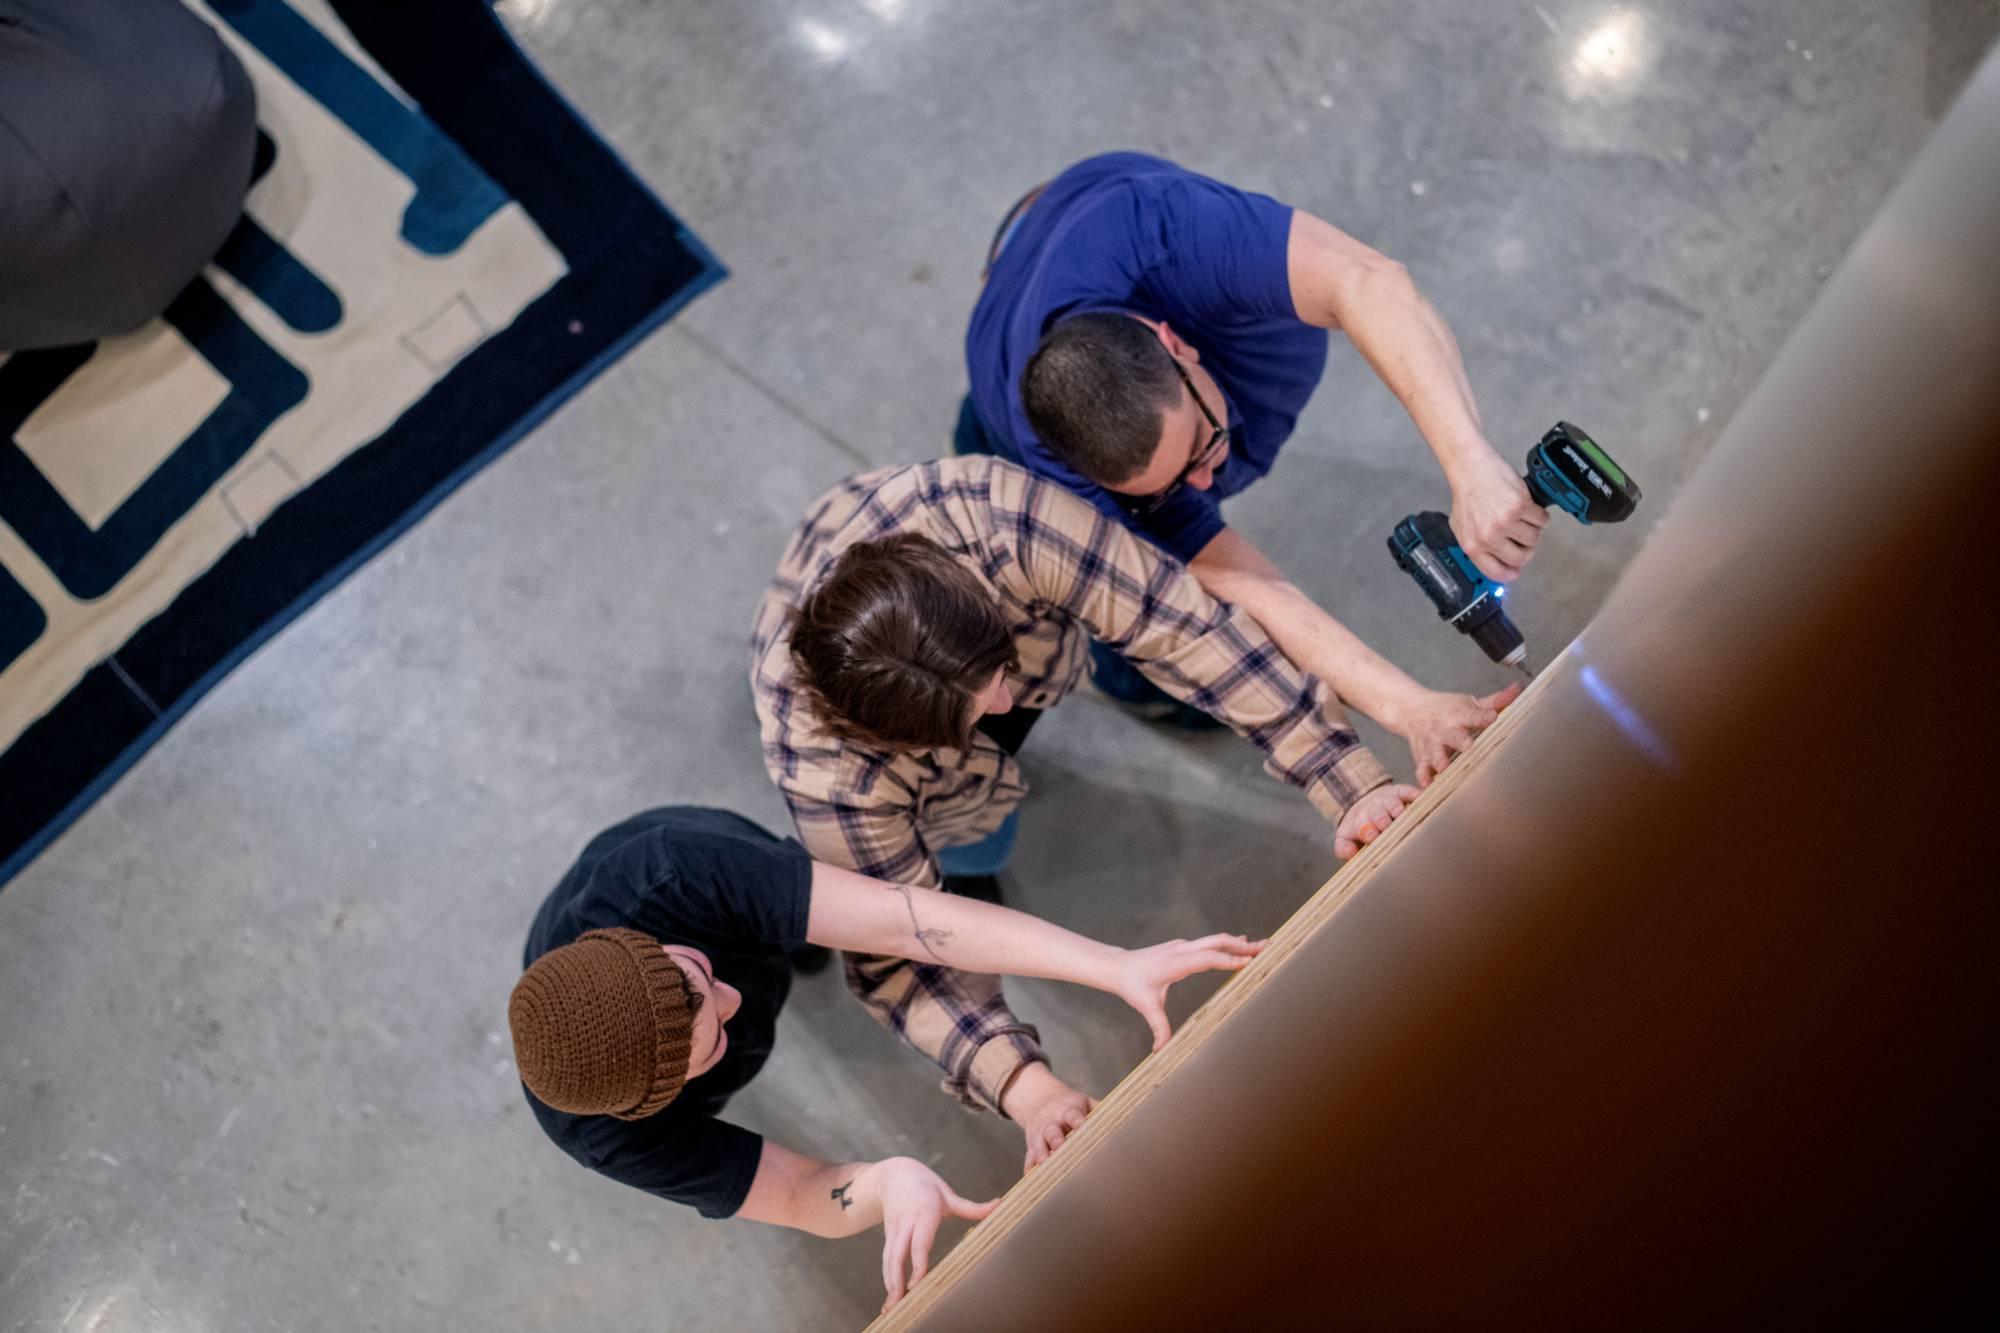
x=1130, y=232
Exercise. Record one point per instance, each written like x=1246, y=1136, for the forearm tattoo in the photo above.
x=840, y=1194
x=931, y=938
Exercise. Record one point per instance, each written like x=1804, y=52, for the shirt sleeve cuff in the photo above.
x=993, y=1066
x=1357, y=773
x=743, y=1174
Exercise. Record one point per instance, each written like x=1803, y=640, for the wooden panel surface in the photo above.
x=1202, y=1026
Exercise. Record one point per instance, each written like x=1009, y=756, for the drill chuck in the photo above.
x=1499, y=639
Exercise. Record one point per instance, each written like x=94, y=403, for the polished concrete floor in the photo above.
x=252, y=1064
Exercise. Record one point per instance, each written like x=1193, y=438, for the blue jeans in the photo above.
x=988, y=856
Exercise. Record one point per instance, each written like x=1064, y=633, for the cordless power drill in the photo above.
x=1566, y=469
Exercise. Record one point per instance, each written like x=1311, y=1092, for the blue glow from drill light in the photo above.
x=1635, y=728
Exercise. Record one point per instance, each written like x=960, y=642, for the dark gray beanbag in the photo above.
x=126, y=135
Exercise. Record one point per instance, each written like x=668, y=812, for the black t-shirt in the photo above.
x=718, y=883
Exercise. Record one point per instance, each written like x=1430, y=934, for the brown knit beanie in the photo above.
x=602, y=1026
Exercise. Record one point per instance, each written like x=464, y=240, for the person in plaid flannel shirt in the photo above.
x=920, y=619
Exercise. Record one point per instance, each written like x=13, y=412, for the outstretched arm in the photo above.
x=853, y=912
x=902, y=1195
x=1211, y=653
x=957, y=1017
x=1437, y=725
x=1339, y=283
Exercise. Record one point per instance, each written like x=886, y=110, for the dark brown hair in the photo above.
x=895, y=642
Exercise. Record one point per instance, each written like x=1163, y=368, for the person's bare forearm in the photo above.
x=900, y=1194
x=1339, y=283
x=806, y=1194
x=1401, y=336
x=1232, y=569
x=853, y=911
x=982, y=937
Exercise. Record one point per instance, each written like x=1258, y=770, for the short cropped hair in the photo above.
x=896, y=642
x=1097, y=391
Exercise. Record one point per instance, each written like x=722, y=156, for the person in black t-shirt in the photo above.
x=654, y=976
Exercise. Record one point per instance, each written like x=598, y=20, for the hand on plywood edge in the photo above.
x=1145, y=975
x=907, y=1199
x=1370, y=816
x=1440, y=726
x=913, y=1201
x=1047, y=1109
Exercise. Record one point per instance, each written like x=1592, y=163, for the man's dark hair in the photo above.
x=1097, y=392
x=895, y=642
x=695, y=999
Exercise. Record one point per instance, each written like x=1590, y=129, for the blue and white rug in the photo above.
x=436, y=253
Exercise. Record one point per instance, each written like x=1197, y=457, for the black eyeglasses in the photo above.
x=1215, y=452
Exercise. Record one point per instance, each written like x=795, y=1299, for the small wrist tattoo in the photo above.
x=930, y=937
x=840, y=1193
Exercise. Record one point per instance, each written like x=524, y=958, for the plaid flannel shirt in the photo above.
x=1062, y=573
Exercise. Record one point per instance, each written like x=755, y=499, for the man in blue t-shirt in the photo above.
x=1148, y=337
x=655, y=972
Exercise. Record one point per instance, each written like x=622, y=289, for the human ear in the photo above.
x=1174, y=344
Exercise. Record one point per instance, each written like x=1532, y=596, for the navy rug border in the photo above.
x=633, y=266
